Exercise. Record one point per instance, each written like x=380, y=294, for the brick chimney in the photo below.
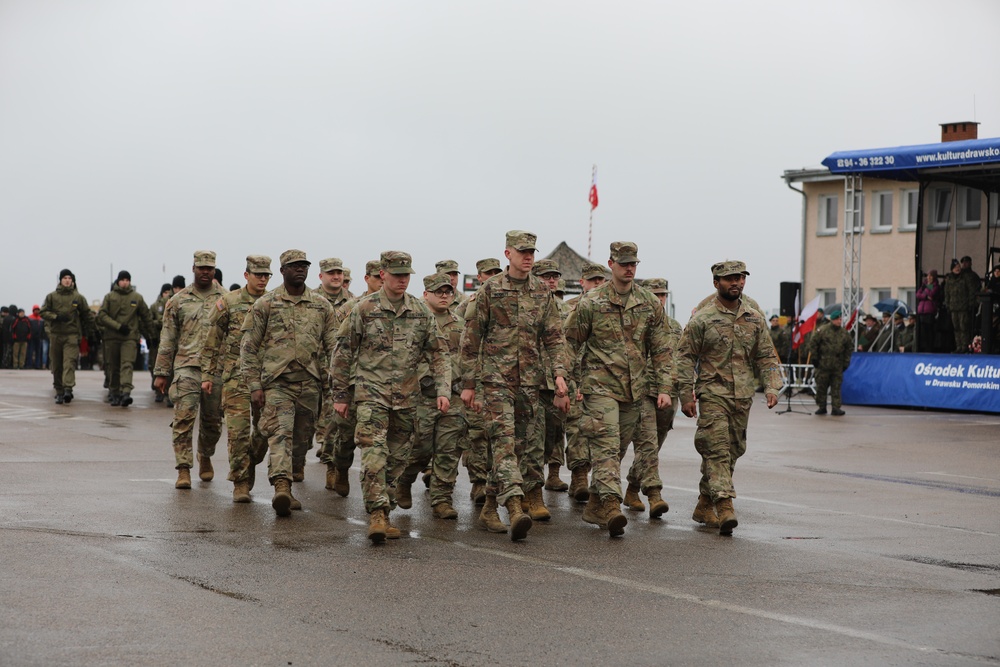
x=959, y=131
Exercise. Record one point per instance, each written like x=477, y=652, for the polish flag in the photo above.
x=857, y=309
x=808, y=322
x=593, y=191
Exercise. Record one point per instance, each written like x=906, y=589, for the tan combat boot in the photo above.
x=489, y=517
x=391, y=532
x=298, y=471
x=552, y=482
x=613, y=516
x=578, y=486
x=657, y=505
x=376, y=526
x=704, y=512
x=282, y=501
x=343, y=484
x=478, y=493
x=536, y=506
x=520, y=523
x=594, y=512
x=727, y=515
x=445, y=511
x=183, y=478
x=404, y=496
x=632, y=500
x=205, y=470
x=331, y=476
x=294, y=504
x=241, y=492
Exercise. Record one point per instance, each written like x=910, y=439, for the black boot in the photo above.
x=126, y=399
x=67, y=396
x=115, y=399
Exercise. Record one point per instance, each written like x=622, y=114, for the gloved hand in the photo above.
x=62, y=317
x=124, y=329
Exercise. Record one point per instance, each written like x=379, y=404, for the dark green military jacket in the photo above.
x=72, y=305
x=125, y=306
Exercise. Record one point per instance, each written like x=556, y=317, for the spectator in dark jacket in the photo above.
x=7, y=361
x=20, y=334
x=929, y=298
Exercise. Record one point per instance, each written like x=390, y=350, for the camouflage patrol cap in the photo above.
x=372, y=267
x=729, y=268
x=656, y=285
x=292, y=256
x=396, y=262
x=204, y=258
x=521, y=240
x=488, y=264
x=591, y=271
x=561, y=286
x=347, y=274
x=446, y=266
x=259, y=264
x=436, y=281
x=624, y=252
x=331, y=264
x=544, y=266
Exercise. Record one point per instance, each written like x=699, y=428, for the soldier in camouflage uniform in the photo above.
x=288, y=336
x=156, y=317
x=439, y=436
x=515, y=318
x=665, y=416
x=780, y=336
x=185, y=328
x=553, y=428
x=338, y=445
x=221, y=359
x=347, y=279
x=332, y=289
x=478, y=458
x=723, y=346
x=961, y=290
x=380, y=347
x=830, y=350
x=449, y=267
x=577, y=451
x=68, y=318
x=123, y=314
x=618, y=336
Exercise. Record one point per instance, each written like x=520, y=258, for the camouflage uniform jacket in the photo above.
x=125, y=306
x=221, y=354
x=185, y=327
x=674, y=331
x=335, y=301
x=459, y=304
x=831, y=348
x=67, y=301
x=615, y=339
x=724, y=348
x=156, y=315
x=451, y=325
x=509, y=325
x=961, y=291
x=384, y=348
x=781, y=338
x=284, y=334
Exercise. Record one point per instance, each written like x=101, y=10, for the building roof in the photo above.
x=570, y=262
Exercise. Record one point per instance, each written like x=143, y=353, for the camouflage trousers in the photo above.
x=247, y=446
x=477, y=450
x=438, y=440
x=665, y=420
x=64, y=351
x=384, y=436
x=609, y=426
x=828, y=381
x=325, y=424
x=577, y=451
x=119, y=358
x=338, y=442
x=512, y=421
x=961, y=322
x=190, y=402
x=554, y=432
x=288, y=421
x=721, y=438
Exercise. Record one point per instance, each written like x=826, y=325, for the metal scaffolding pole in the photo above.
x=853, y=229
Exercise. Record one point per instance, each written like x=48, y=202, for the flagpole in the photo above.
x=593, y=204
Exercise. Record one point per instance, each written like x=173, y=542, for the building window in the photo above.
x=911, y=204
x=879, y=294
x=882, y=212
x=970, y=207
x=827, y=297
x=827, y=215
x=908, y=295
x=994, y=209
x=940, y=216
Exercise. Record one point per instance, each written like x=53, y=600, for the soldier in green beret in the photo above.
x=830, y=352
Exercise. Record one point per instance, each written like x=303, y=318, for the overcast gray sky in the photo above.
x=135, y=132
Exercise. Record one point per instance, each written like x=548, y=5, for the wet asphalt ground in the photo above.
x=872, y=539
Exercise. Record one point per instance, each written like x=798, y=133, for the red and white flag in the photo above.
x=593, y=191
x=806, y=322
x=857, y=309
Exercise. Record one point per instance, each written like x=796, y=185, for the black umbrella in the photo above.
x=892, y=306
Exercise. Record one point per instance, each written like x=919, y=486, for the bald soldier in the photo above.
x=721, y=350
x=221, y=359
x=185, y=329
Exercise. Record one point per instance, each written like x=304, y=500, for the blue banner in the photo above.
x=949, y=381
x=911, y=158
